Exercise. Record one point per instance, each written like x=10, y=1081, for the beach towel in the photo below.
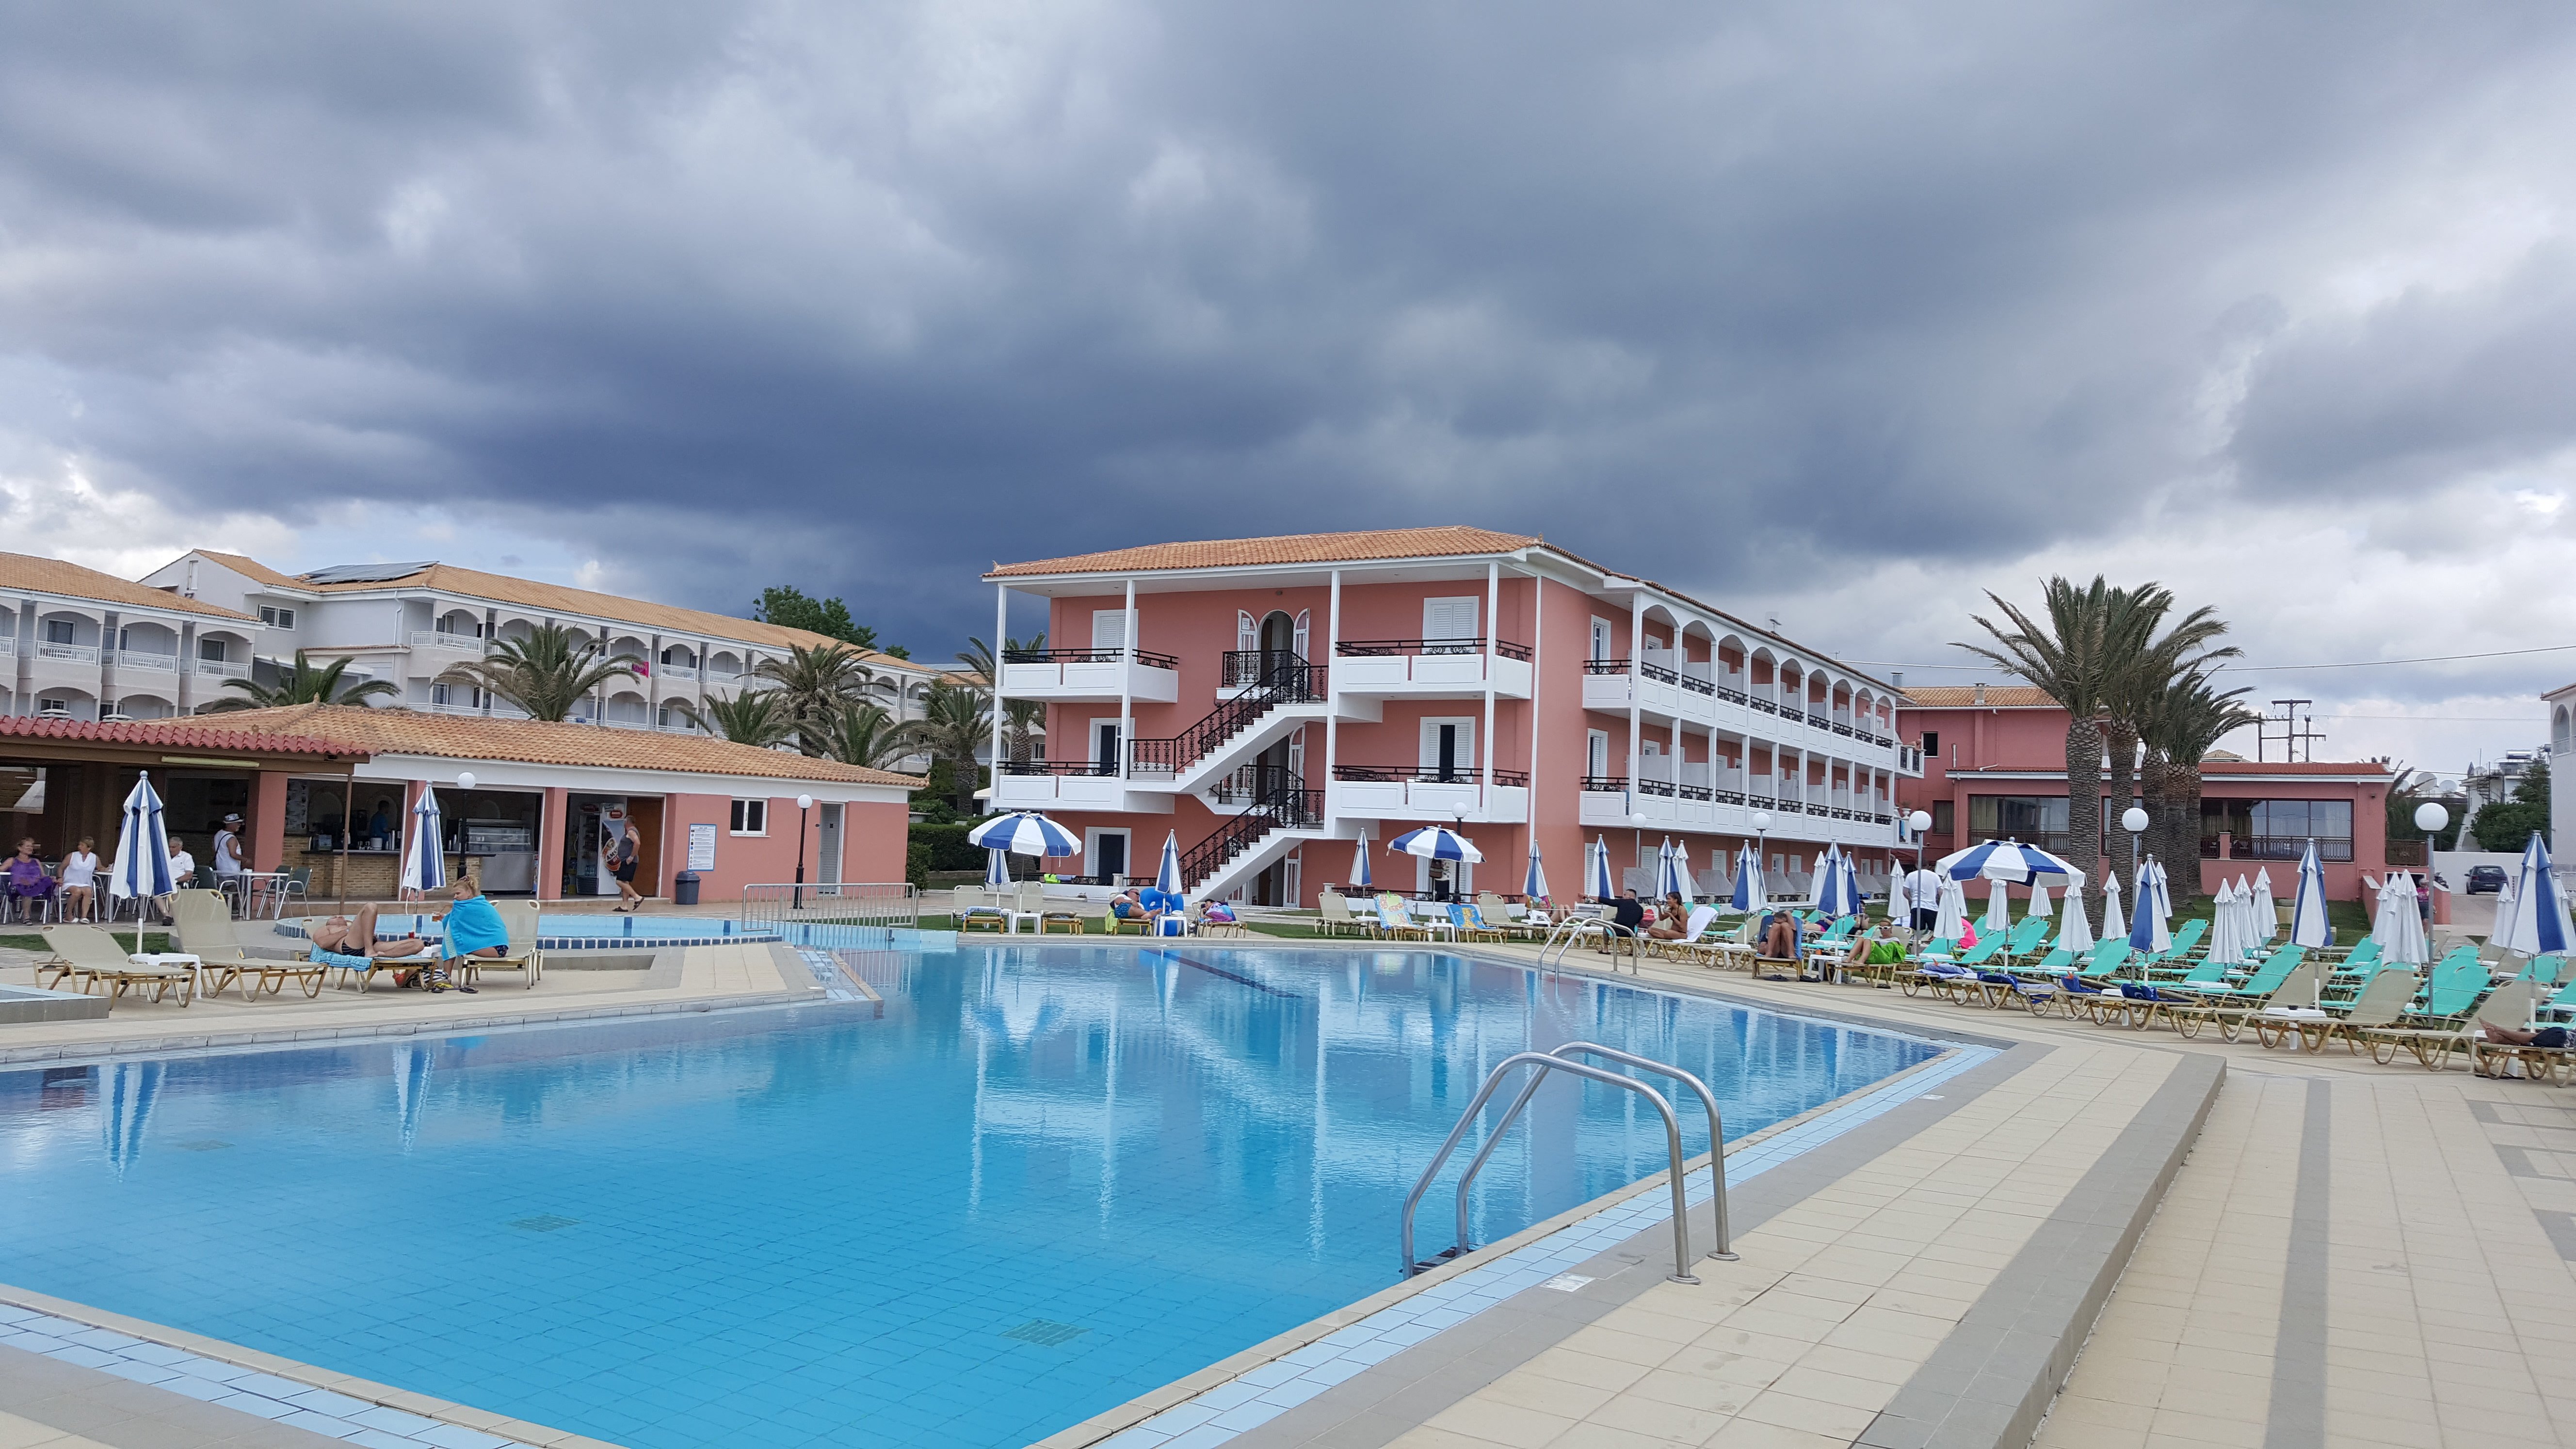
x=474, y=925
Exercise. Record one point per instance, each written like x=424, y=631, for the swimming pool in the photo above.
x=1049, y=1179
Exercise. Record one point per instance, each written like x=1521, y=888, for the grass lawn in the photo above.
x=30, y=941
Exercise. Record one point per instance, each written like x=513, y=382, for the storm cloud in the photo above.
x=1844, y=310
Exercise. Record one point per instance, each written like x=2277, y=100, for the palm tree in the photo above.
x=2142, y=674
x=956, y=721
x=815, y=683
x=866, y=735
x=757, y=717
x=303, y=684
x=1023, y=720
x=2193, y=717
x=545, y=674
x=2069, y=660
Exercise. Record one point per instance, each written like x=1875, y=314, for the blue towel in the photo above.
x=473, y=924
x=334, y=958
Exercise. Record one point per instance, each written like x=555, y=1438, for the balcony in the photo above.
x=223, y=669
x=1430, y=668
x=1391, y=792
x=441, y=639
x=67, y=653
x=676, y=671
x=1072, y=785
x=147, y=663
x=1069, y=675
x=8, y=644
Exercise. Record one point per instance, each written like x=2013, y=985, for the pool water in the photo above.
x=1048, y=1179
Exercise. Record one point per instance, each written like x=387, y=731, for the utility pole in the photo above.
x=2297, y=737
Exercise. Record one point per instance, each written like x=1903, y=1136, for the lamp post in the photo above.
x=2430, y=818
x=804, y=803
x=1761, y=822
x=2134, y=821
x=1920, y=822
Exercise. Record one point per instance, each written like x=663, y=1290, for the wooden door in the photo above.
x=646, y=816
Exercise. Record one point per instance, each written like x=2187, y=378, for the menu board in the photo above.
x=702, y=847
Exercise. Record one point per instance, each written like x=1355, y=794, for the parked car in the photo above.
x=2486, y=880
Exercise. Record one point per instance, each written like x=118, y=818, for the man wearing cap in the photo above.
x=228, y=860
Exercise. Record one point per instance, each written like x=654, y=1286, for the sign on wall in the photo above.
x=702, y=847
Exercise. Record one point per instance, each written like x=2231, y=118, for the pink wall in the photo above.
x=873, y=839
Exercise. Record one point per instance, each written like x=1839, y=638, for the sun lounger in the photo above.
x=1333, y=916
x=2539, y=1063
x=92, y=957
x=2294, y=990
x=1695, y=929
x=519, y=918
x=1396, y=921
x=203, y=922
x=1998, y=987
x=2432, y=1046
x=2381, y=1003
x=2265, y=980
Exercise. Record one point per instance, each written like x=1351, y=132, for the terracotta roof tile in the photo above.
x=251, y=568
x=1443, y=541
x=533, y=742
x=189, y=734
x=1964, y=696
x=53, y=576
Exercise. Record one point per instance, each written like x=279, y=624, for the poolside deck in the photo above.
x=2348, y=1254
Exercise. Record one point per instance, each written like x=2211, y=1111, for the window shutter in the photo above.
x=1109, y=629
x=1449, y=618
x=1247, y=632
x=1304, y=618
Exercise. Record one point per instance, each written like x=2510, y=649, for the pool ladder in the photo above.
x=1561, y=1059
x=1564, y=934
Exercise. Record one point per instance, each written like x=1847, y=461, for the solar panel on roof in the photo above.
x=373, y=573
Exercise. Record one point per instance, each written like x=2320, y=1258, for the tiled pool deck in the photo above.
x=2353, y=1254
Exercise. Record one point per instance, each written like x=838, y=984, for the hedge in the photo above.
x=948, y=846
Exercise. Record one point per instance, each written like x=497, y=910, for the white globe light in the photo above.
x=1639, y=819
x=804, y=802
x=465, y=780
x=1921, y=820
x=1761, y=819
x=2133, y=820
x=2430, y=817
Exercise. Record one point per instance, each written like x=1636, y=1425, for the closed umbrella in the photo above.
x=1664, y=883
x=132, y=1089
x=2536, y=923
x=2266, y=911
x=1681, y=882
x=1024, y=832
x=1851, y=887
x=2399, y=930
x=1596, y=871
x=1534, y=884
x=142, y=852
x=2074, y=932
x=1951, y=923
x=997, y=868
x=1167, y=876
x=2039, y=903
x=1361, y=879
x=1822, y=882
x=425, y=856
x=2148, y=932
x=2225, y=927
x=1750, y=894
x=1837, y=889
x=2113, y=927
x=2308, y=926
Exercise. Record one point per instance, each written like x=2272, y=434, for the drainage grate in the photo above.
x=1046, y=1332
x=546, y=1224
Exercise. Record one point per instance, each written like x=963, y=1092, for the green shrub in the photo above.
x=947, y=846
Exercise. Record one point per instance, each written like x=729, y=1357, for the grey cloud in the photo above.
x=1726, y=296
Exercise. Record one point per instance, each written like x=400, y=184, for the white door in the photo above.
x=1450, y=618
x=1109, y=629
x=1600, y=638
x=1297, y=753
x=828, y=854
x=1104, y=746
x=1596, y=752
x=1247, y=632
x=1305, y=623
x=1449, y=748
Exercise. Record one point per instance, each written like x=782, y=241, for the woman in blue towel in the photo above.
x=474, y=925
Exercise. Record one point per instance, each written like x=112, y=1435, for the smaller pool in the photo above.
x=586, y=932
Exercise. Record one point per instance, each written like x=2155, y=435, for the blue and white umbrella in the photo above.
x=1672, y=871
x=1361, y=878
x=1596, y=871
x=142, y=852
x=2147, y=915
x=1024, y=832
x=1436, y=842
x=2308, y=908
x=1750, y=895
x=1837, y=889
x=425, y=855
x=2536, y=924
x=1534, y=884
x=1167, y=876
x=2008, y=860
x=997, y=868
x=1998, y=916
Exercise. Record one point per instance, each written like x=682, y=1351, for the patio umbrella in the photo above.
x=425, y=854
x=1952, y=922
x=2074, y=932
x=1024, y=832
x=1998, y=916
x=1596, y=871
x=1837, y=894
x=2039, y=903
x=1750, y=895
x=2225, y=928
x=1361, y=879
x=1167, y=876
x=1681, y=885
x=2399, y=930
x=1436, y=842
x=2147, y=928
x=997, y=868
x=1664, y=882
x=2008, y=860
x=2112, y=924
x=2536, y=923
x=142, y=851
x=411, y=1092
x=2308, y=908
x=2266, y=911
x=1534, y=884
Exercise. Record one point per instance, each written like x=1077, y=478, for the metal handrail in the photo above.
x=1562, y=936
x=1672, y=1142
x=1707, y=1101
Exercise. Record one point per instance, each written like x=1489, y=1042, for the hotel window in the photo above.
x=58, y=631
x=1600, y=638
x=46, y=704
x=2031, y=819
x=211, y=650
x=277, y=618
x=2276, y=829
x=751, y=817
x=1931, y=744
x=1945, y=816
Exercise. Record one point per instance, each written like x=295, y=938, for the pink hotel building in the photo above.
x=1270, y=699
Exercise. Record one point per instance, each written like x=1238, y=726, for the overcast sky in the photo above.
x=1840, y=312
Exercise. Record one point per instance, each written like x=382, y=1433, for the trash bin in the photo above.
x=684, y=888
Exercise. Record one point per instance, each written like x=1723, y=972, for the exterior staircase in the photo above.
x=1287, y=694
x=1278, y=810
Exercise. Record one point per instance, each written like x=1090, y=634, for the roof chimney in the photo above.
x=1897, y=679
x=1981, y=692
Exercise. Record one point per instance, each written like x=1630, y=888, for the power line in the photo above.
x=2235, y=668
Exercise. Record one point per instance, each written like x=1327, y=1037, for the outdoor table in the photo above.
x=256, y=884
x=163, y=960
x=1011, y=921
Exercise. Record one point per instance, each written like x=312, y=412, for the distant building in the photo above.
x=1994, y=767
x=83, y=645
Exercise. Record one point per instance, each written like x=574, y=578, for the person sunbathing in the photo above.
x=1779, y=937
x=1132, y=907
x=474, y=925
x=342, y=936
x=2546, y=1036
x=1670, y=919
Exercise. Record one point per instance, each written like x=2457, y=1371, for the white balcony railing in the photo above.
x=223, y=669
x=68, y=653
x=441, y=639
x=154, y=663
x=676, y=671
x=8, y=644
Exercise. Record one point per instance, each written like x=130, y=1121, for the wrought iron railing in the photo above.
x=1379, y=648
x=1292, y=681
x=1659, y=673
x=1728, y=797
x=1428, y=774
x=1697, y=685
x=1764, y=705
x=1239, y=668
x=1279, y=801
x=1655, y=787
x=1088, y=656
x=1844, y=730
x=1605, y=666
x=1606, y=784
x=1733, y=696
x=1697, y=792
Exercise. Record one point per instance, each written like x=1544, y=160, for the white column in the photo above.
x=1126, y=686
x=1332, y=694
x=1636, y=687
x=1493, y=629
x=1538, y=677
x=1001, y=625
